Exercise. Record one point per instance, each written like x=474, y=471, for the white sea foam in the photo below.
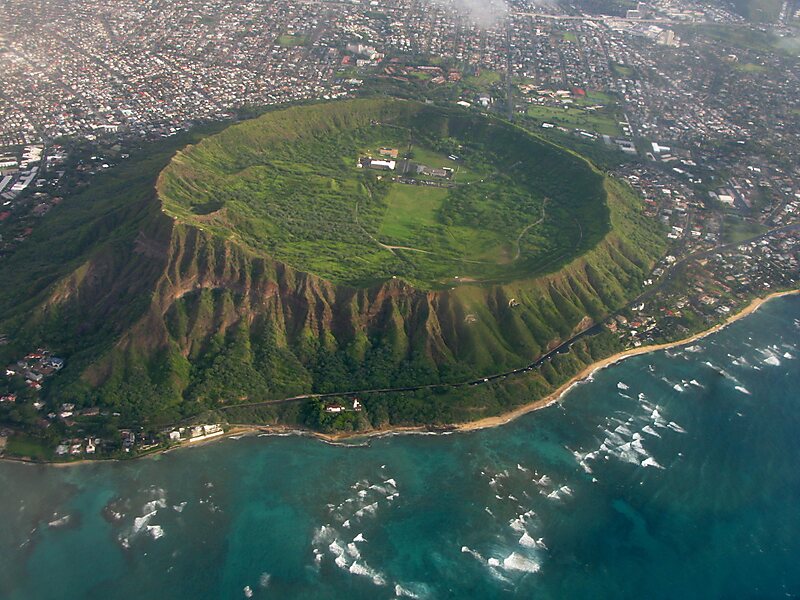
x=517, y=562
x=696, y=383
x=742, y=389
x=658, y=420
x=527, y=541
x=638, y=447
x=323, y=534
x=678, y=387
x=154, y=505
x=471, y=552
x=622, y=430
x=651, y=462
x=352, y=550
x=675, y=427
x=493, y=562
x=248, y=591
x=391, y=482
x=59, y=522
x=155, y=531
x=140, y=522
x=359, y=538
x=264, y=580
x=336, y=548
x=651, y=431
x=773, y=361
x=788, y=356
x=179, y=507
x=346, y=524
x=521, y=468
x=622, y=386
x=400, y=592
x=365, y=571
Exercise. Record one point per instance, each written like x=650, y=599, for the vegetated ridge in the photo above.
x=162, y=317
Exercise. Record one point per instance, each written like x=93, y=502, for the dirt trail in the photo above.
x=528, y=228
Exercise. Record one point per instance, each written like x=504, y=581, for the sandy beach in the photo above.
x=602, y=364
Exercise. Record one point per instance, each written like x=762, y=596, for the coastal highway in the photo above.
x=560, y=349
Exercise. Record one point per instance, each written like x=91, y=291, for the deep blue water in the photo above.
x=670, y=475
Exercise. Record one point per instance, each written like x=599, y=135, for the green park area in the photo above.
x=736, y=229
x=601, y=121
x=288, y=40
x=623, y=71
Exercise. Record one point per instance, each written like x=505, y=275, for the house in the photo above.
x=356, y=405
x=31, y=376
x=382, y=165
x=334, y=408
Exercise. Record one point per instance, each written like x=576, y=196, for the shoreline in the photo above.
x=484, y=423
x=590, y=370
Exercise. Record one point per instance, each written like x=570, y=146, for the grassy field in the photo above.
x=412, y=209
x=600, y=121
x=306, y=203
x=737, y=230
x=290, y=41
x=623, y=71
x=749, y=68
x=26, y=446
x=483, y=80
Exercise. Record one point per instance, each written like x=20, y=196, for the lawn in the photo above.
x=412, y=209
x=22, y=445
x=600, y=121
x=291, y=40
x=749, y=68
x=737, y=230
x=623, y=71
x=483, y=80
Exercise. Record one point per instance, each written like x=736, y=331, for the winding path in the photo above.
x=528, y=228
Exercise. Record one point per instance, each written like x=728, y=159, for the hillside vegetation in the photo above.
x=164, y=316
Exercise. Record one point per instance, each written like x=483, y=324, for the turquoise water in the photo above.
x=673, y=474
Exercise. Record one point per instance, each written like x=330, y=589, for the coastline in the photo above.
x=484, y=423
x=556, y=395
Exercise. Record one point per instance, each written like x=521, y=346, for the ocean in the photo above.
x=669, y=475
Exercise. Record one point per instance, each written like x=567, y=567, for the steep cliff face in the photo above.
x=161, y=317
x=223, y=324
